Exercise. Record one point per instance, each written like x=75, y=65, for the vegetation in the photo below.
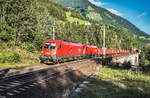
x=28, y=23
x=16, y=57
x=74, y=19
x=116, y=38
x=145, y=58
x=117, y=83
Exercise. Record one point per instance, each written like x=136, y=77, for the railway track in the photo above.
x=10, y=86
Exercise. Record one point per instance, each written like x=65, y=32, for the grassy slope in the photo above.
x=12, y=56
x=72, y=19
x=117, y=83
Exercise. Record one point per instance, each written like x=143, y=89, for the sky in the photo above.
x=136, y=11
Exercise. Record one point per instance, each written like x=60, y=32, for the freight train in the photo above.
x=57, y=51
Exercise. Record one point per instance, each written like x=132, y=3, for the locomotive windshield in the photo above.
x=49, y=46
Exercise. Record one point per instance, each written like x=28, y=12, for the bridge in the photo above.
x=131, y=58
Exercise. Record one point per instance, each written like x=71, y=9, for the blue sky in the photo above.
x=136, y=11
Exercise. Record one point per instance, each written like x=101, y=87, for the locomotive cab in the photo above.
x=49, y=50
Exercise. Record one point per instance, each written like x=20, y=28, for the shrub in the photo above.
x=4, y=35
x=28, y=46
x=14, y=58
x=10, y=44
x=1, y=48
x=9, y=57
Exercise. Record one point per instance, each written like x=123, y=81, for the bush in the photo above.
x=9, y=57
x=28, y=46
x=10, y=44
x=14, y=58
x=4, y=36
x=144, y=59
x=1, y=48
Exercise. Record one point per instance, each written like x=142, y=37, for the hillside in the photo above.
x=103, y=16
x=27, y=24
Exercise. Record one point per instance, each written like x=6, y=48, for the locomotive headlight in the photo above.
x=54, y=53
x=47, y=53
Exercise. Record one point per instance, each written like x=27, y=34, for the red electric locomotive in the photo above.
x=58, y=51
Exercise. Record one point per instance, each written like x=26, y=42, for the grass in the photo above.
x=13, y=56
x=72, y=19
x=94, y=15
x=15, y=65
x=117, y=83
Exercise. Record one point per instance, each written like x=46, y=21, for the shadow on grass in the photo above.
x=126, y=66
x=116, y=66
x=104, y=89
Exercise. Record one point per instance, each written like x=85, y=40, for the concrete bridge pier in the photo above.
x=132, y=59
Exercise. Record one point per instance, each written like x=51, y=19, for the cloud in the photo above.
x=141, y=15
x=115, y=12
x=97, y=3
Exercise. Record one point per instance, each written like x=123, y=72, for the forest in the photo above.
x=26, y=24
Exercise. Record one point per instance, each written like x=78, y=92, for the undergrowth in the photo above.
x=13, y=56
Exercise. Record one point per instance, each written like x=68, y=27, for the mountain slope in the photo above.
x=103, y=16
